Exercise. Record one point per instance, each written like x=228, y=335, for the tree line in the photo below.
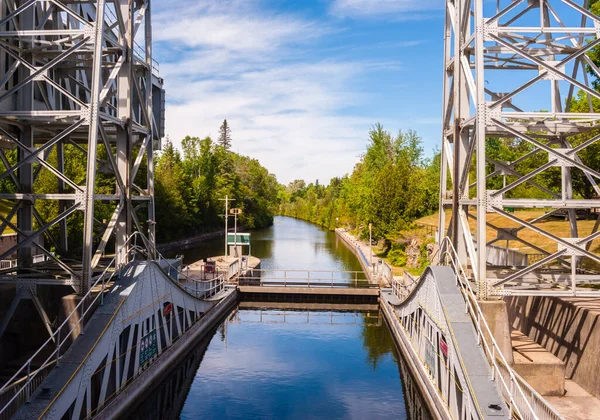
x=190, y=184
x=392, y=185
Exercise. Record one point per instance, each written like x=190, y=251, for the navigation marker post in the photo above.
x=235, y=212
x=227, y=200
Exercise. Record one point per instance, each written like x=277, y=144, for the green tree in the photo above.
x=225, y=136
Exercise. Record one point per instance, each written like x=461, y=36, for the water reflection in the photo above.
x=290, y=244
x=290, y=363
x=274, y=360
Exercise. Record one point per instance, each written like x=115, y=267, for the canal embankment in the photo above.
x=376, y=270
x=267, y=357
x=190, y=242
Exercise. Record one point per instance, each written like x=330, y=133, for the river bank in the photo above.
x=189, y=242
x=377, y=270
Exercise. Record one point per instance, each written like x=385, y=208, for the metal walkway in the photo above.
x=443, y=333
x=128, y=318
x=120, y=340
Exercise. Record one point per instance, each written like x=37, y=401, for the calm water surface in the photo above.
x=292, y=364
x=289, y=244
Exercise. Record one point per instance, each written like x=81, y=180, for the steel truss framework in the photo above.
x=512, y=70
x=138, y=324
x=75, y=86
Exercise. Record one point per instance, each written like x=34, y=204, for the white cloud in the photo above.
x=260, y=71
x=384, y=8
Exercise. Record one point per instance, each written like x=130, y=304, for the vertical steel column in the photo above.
x=94, y=122
x=151, y=128
x=26, y=138
x=124, y=135
x=480, y=136
x=445, y=107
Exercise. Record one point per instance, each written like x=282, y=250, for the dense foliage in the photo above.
x=189, y=189
x=392, y=185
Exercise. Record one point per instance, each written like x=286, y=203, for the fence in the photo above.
x=431, y=230
x=403, y=288
x=205, y=288
x=300, y=316
x=306, y=278
x=7, y=264
x=4, y=264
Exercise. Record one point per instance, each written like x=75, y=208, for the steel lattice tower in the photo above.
x=512, y=70
x=76, y=90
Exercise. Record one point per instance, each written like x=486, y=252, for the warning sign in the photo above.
x=444, y=347
x=167, y=308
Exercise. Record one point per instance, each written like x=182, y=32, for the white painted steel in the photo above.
x=73, y=76
x=505, y=61
x=521, y=397
x=137, y=309
x=306, y=278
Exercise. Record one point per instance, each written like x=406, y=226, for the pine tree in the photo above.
x=225, y=135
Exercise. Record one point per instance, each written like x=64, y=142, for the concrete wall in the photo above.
x=354, y=246
x=568, y=328
x=189, y=242
x=498, y=256
x=496, y=316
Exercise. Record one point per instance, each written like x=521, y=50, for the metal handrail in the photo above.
x=513, y=391
x=309, y=278
x=55, y=339
x=408, y=286
x=216, y=285
x=7, y=264
x=137, y=48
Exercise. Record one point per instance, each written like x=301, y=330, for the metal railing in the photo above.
x=139, y=52
x=8, y=393
x=533, y=258
x=522, y=399
x=4, y=264
x=430, y=230
x=52, y=346
x=7, y=264
x=26, y=380
x=205, y=288
x=302, y=316
x=306, y=278
x=403, y=288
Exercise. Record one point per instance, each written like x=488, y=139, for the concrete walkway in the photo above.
x=366, y=258
x=576, y=404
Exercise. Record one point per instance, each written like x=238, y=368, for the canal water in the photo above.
x=301, y=363
x=289, y=244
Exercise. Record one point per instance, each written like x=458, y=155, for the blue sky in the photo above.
x=301, y=82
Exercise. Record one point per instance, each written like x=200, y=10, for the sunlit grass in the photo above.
x=555, y=226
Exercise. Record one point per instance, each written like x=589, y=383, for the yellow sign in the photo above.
x=235, y=211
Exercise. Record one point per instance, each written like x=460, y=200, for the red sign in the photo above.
x=167, y=309
x=443, y=347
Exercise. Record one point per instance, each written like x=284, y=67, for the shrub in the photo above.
x=397, y=255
